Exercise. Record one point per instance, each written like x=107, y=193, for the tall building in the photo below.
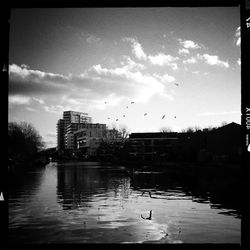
x=60, y=135
x=76, y=117
x=69, y=117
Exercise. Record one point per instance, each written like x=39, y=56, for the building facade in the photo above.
x=88, y=138
x=71, y=121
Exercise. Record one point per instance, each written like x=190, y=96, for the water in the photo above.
x=90, y=203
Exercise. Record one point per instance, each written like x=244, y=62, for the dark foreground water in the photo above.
x=90, y=203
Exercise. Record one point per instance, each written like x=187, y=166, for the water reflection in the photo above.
x=82, y=203
x=78, y=185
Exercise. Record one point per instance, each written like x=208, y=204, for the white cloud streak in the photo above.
x=163, y=59
x=238, y=36
x=190, y=60
x=19, y=100
x=189, y=44
x=160, y=59
x=213, y=60
x=137, y=48
x=183, y=51
x=239, y=61
x=89, y=89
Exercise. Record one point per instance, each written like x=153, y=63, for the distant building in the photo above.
x=152, y=146
x=76, y=117
x=224, y=143
x=88, y=138
x=64, y=140
x=220, y=144
x=60, y=134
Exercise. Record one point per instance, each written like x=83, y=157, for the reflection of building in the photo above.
x=78, y=185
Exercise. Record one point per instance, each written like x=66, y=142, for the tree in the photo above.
x=124, y=133
x=224, y=123
x=24, y=141
x=166, y=130
x=191, y=129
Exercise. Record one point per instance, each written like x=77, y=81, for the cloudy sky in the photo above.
x=183, y=63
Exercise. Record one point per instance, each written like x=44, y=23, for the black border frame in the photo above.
x=245, y=102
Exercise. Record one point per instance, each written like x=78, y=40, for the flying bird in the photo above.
x=132, y=102
x=123, y=115
x=127, y=107
x=145, y=114
x=163, y=117
x=108, y=117
x=177, y=84
x=105, y=102
x=117, y=119
x=175, y=117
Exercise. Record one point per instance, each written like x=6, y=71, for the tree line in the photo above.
x=24, y=142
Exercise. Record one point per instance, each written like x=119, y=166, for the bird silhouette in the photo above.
x=105, y=102
x=127, y=107
x=145, y=114
x=132, y=102
x=117, y=119
x=176, y=84
x=163, y=117
x=175, y=117
x=108, y=117
x=123, y=115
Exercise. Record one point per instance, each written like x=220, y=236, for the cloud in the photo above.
x=89, y=90
x=50, y=144
x=213, y=60
x=51, y=134
x=238, y=36
x=55, y=109
x=196, y=72
x=19, y=100
x=27, y=81
x=39, y=100
x=93, y=39
x=137, y=49
x=190, y=60
x=188, y=44
x=31, y=109
x=125, y=82
x=163, y=59
x=132, y=65
x=159, y=59
x=219, y=113
x=239, y=61
x=183, y=51
x=25, y=66
x=165, y=78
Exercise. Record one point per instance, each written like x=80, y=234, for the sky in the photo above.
x=144, y=69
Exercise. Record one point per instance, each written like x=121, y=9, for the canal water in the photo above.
x=92, y=203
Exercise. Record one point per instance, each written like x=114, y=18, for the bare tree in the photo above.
x=166, y=130
x=24, y=141
x=224, y=123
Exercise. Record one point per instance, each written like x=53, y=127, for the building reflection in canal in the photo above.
x=78, y=185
